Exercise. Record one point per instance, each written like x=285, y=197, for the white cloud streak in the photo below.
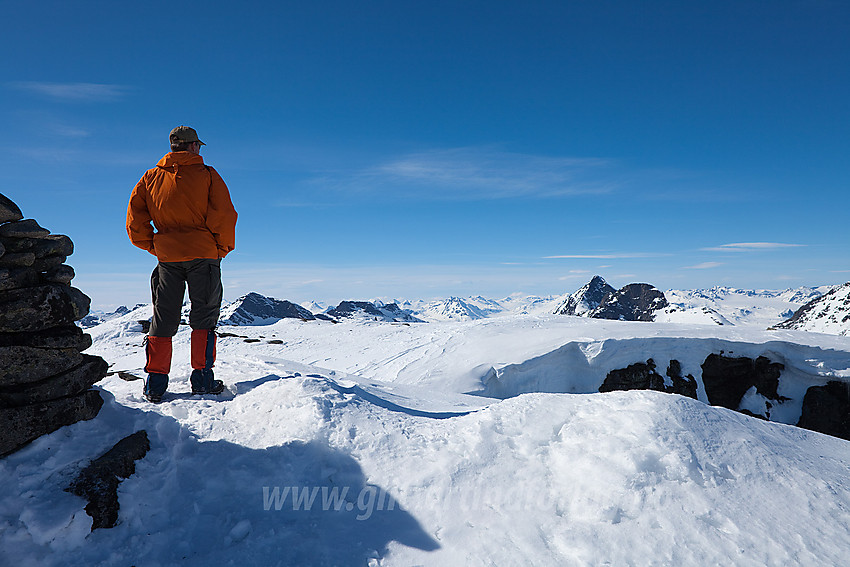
x=479, y=174
x=703, y=266
x=72, y=92
x=750, y=246
x=619, y=255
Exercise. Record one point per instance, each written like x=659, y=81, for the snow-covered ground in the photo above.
x=375, y=423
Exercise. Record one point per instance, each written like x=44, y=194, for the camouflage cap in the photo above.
x=184, y=134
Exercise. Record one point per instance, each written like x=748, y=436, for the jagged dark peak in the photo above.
x=390, y=312
x=632, y=302
x=586, y=298
x=349, y=308
x=256, y=309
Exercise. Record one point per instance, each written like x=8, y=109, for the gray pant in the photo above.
x=168, y=287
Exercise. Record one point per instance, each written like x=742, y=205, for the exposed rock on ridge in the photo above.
x=640, y=376
x=44, y=378
x=390, y=312
x=827, y=409
x=633, y=302
x=598, y=300
x=256, y=309
x=829, y=313
x=727, y=380
x=98, y=482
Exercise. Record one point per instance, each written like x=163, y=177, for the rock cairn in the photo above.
x=45, y=379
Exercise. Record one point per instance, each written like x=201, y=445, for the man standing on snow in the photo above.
x=190, y=208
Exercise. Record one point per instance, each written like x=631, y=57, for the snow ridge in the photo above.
x=828, y=313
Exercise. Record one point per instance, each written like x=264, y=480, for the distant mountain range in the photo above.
x=822, y=309
x=761, y=308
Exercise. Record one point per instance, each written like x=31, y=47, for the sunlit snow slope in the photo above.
x=371, y=423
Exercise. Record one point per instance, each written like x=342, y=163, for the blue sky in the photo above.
x=424, y=149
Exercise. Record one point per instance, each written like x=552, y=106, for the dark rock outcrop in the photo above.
x=66, y=336
x=390, y=312
x=350, y=308
x=598, y=300
x=253, y=309
x=27, y=229
x=633, y=302
x=71, y=382
x=9, y=211
x=41, y=307
x=826, y=409
x=682, y=385
x=642, y=376
x=11, y=278
x=638, y=376
x=24, y=364
x=20, y=425
x=98, y=482
x=44, y=377
x=727, y=379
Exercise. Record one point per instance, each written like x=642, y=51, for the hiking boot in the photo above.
x=217, y=387
x=155, y=387
x=203, y=382
x=153, y=398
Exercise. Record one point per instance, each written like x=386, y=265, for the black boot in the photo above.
x=203, y=382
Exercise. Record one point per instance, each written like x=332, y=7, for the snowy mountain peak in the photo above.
x=452, y=309
x=828, y=313
x=389, y=312
x=598, y=300
x=587, y=298
x=256, y=309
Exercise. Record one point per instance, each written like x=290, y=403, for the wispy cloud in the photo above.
x=72, y=92
x=54, y=154
x=616, y=255
x=750, y=246
x=703, y=266
x=573, y=276
x=67, y=131
x=478, y=173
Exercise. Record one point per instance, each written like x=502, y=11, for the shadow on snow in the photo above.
x=201, y=503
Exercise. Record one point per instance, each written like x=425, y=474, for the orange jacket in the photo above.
x=190, y=207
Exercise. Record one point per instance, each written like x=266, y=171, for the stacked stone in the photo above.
x=45, y=379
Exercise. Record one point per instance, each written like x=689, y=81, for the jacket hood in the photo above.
x=180, y=158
